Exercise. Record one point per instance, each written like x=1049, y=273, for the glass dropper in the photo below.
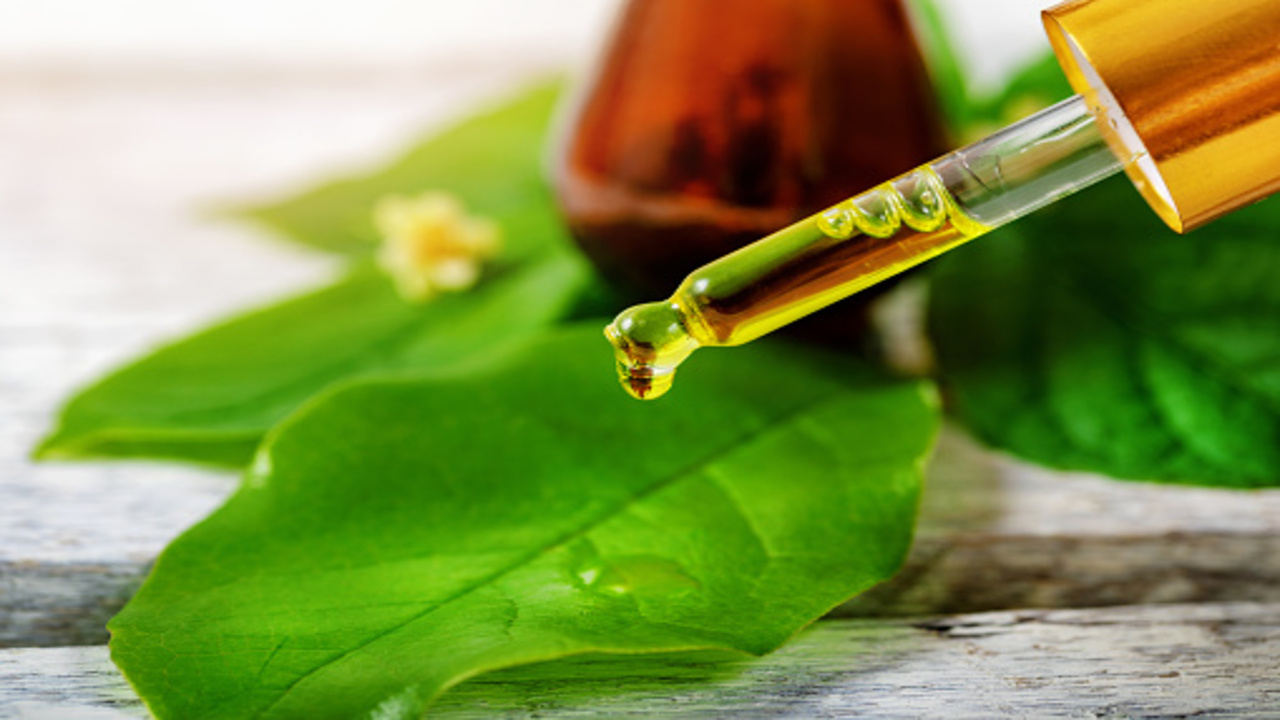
x=1181, y=94
x=864, y=240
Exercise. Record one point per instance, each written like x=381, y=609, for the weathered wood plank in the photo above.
x=46, y=605
x=64, y=684
x=1151, y=662
x=1213, y=660
x=975, y=573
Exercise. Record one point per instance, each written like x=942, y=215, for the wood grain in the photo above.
x=1177, y=661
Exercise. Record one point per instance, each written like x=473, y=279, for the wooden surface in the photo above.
x=105, y=250
x=1176, y=661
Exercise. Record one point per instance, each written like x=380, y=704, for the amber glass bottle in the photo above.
x=708, y=124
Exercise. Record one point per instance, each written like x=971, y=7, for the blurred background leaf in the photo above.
x=1036, y=85
x=946, y=69
x=492, y=161
x=1092, y=337
x=210, y=398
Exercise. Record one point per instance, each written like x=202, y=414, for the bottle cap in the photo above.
x=1190, y=90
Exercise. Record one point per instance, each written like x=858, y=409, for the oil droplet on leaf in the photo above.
x=645, y=575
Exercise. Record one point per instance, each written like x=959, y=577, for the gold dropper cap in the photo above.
x=1198, y=82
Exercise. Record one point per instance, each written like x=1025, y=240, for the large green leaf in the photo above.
x=1089, y=336
x=210, y=398
x=397, y=537
x=492, y=162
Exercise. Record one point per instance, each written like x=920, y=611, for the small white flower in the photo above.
x=431, y=245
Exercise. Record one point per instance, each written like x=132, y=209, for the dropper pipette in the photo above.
x=1166, y=135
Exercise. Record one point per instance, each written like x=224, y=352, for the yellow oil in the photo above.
x=794, y=272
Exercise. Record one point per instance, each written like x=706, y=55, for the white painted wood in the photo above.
x=1149, y=662
x=64, y=684
x=1211, y=660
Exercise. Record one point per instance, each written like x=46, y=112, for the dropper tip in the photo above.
x=649, y=341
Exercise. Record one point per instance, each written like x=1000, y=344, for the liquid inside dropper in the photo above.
x=868, y=238
x=788, y=275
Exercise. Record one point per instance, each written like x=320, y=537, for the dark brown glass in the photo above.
x=709, y=124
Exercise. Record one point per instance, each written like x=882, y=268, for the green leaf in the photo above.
x=1091, y=337
x=211, y=397
x=492, y=162
x=398, y=537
